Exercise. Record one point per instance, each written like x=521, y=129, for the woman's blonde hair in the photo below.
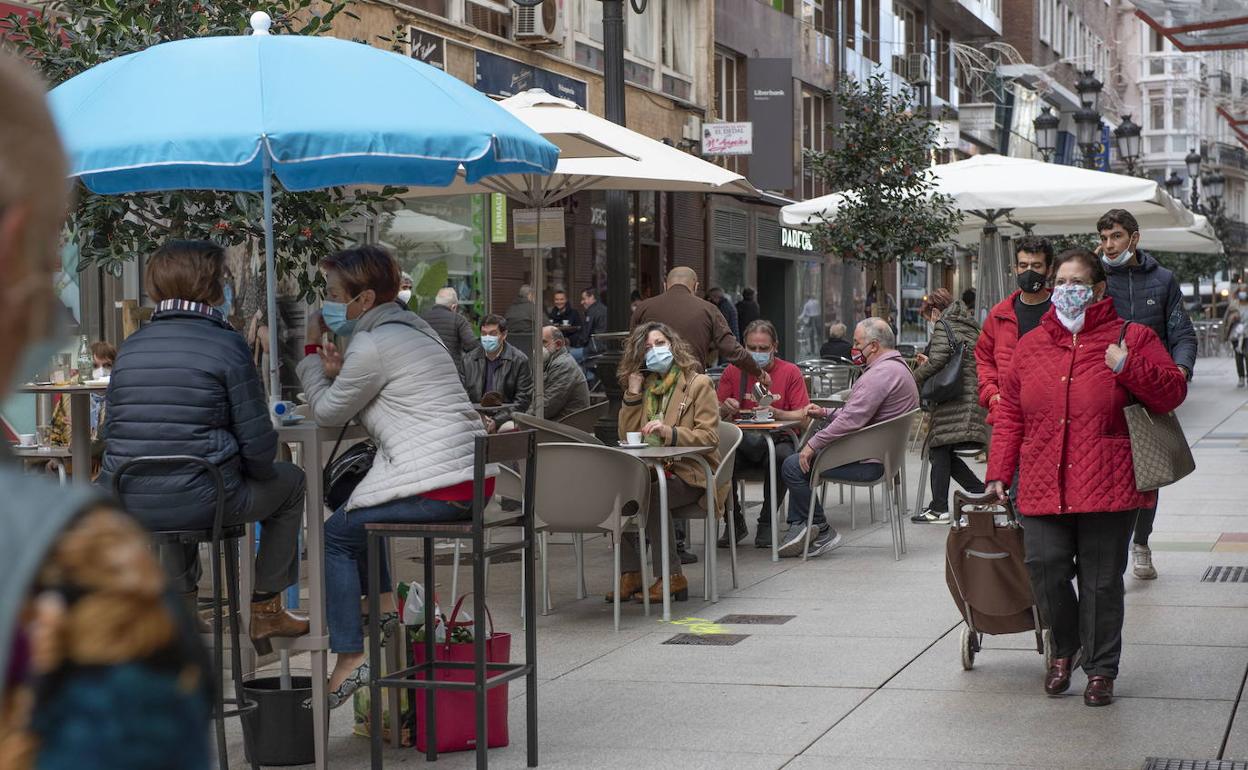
x=634, y=359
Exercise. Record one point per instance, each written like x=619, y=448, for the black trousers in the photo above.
x=1239, y=363
x=1144, y=523
x=945, y=465
x=1091, y=549
x=756, y=459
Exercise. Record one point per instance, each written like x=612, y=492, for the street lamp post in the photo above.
x=1192, y=161
x=1046, y=124
x=1088, y=117
x=1127, y=137
x=1174, y=184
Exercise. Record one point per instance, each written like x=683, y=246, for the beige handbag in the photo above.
x=1159, y=450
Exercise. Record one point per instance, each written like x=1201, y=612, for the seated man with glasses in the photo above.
x=885, y=390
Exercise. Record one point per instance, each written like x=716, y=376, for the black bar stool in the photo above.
x=217, y=536
x=513, y=447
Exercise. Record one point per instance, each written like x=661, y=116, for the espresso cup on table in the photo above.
x=633, y=437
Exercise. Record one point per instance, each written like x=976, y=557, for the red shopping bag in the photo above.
x=456, y=728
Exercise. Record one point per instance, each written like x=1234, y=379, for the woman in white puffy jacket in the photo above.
x=399, y=379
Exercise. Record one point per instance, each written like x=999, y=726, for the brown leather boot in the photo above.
x=191, y=601
x=679, y=586
x=630, y=583
x=269, y=619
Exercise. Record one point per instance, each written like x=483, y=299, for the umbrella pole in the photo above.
x=537, y=201
x=270, y=281
x=270, y=288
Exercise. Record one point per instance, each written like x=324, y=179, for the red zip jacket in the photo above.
x=995, y=350
x=1060, y=420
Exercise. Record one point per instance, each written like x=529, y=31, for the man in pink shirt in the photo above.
x=736, y=395
x=885, y=390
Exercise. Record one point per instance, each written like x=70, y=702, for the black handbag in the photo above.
x=946, y=384
x=344, y=473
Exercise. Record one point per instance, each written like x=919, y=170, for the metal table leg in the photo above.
x=664, y=517
x=775, y=496
x=315, y=525
x=713, y=555
x=80, y=436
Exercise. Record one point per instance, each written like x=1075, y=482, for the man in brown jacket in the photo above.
x=697, y=321
x=703, y=328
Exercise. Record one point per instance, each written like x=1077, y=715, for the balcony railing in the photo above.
x=1229, y=155
x=1236, y=234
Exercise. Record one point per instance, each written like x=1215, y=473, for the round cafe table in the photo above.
x=769, y=429
x=79, y=419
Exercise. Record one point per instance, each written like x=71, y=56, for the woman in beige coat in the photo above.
x=671, y=403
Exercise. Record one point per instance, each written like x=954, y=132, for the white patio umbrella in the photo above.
x=1197, y=239
x=998, y=192
x=641, y=163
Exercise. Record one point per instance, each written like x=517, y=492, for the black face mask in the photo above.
x=1030, y=281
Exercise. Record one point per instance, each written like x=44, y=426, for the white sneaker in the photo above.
x=1142, y=562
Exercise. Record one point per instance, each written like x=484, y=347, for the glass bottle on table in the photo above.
x=85, y=361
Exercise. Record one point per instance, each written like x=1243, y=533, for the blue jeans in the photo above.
x=346, y=559
x=798, y=483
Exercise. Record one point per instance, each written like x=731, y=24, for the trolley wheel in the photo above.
x=968, y=649
x=1047, y=640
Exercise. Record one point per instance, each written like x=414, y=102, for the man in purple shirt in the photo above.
x=885, y=390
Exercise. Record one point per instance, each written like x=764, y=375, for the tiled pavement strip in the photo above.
x=867, y=673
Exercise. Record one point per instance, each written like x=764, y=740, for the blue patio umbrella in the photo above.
x=232, y=112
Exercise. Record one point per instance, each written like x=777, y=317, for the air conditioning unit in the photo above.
x=918, y=68
x=538, y=26
x=692, y=130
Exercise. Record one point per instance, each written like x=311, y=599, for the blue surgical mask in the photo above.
x=227, y=305
x=659, y=359
x=335, y=316
x=762, y=359
x=490, y=343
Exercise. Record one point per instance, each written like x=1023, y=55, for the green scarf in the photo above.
x=658, y=395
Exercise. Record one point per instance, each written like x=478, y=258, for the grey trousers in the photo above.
x=278, y=505
x=679, y=494
x=1091, y=550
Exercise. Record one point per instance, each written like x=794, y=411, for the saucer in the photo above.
x=626, y=445
x=25, y=446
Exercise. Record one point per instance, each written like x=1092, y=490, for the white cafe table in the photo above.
x=655, y=457
x=310, y=439
x=80, y=422
x=769, y=429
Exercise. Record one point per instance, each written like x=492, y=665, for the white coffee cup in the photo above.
x=26, y=439
x=634, y=437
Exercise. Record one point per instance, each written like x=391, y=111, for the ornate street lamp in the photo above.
x=1193, y=160
x=1214, y=184
x=1046, y=133
x=1088, y=133
x=1089, y=89
x=1127, y=137
x=1174, y=185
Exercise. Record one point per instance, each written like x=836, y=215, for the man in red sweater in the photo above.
x=1013, y=317
x=736, y=396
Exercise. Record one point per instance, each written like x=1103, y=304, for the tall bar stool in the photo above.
x=513, y=447
x=217, y=536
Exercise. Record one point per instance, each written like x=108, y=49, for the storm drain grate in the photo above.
x=1159, y=763
x=707, y=640
x=755, y=620
x=1236, y=574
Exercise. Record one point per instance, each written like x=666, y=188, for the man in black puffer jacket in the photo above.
x=1147, y=293
x=185, y=385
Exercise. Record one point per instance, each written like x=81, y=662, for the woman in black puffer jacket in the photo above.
x=185, y=385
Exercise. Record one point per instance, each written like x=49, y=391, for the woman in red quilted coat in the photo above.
x=1060, y=423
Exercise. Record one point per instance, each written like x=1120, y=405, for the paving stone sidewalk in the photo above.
x=866, y=672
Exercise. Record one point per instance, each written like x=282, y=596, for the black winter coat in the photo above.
x=595, y=323
x=455, y=331
x=185, y=384
x=1149, y=294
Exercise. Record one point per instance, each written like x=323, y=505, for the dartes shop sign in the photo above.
x=798, y=240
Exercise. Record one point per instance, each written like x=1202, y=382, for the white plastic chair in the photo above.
x=729, y=440
x=884, y=441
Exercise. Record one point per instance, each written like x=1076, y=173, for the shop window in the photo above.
x=814, y=132
x=678, y=20
x=440, y=242
x=913, y=277
x=810, y=300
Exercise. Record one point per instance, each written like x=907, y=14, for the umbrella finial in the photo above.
x=260, y=23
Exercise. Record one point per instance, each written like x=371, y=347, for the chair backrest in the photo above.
x=884, y=441
x=549, y=431
x=729, y=440
x=586, y=488
x=154, y=461
x=584, y=419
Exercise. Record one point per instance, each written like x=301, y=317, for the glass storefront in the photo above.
x=440, y=242
x=810, y=320
x=914, y=279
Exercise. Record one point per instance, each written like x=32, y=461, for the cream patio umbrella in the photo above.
x=641, y=163
x=999, y=192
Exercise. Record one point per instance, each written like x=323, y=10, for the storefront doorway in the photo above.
x=777, y=285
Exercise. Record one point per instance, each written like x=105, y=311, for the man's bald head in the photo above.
x=684, y=277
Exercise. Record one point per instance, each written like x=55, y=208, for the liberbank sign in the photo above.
x=769, y=91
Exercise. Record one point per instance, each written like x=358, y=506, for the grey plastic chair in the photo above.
x=551, y=432
x=729, y=440
x=585, y=419
x=593, y=489
x=884, y=441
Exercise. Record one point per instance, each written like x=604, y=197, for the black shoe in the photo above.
x=742, y=532
x=687, y=557
x=762, y=536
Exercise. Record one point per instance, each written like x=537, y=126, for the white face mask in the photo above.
x=405, y=296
